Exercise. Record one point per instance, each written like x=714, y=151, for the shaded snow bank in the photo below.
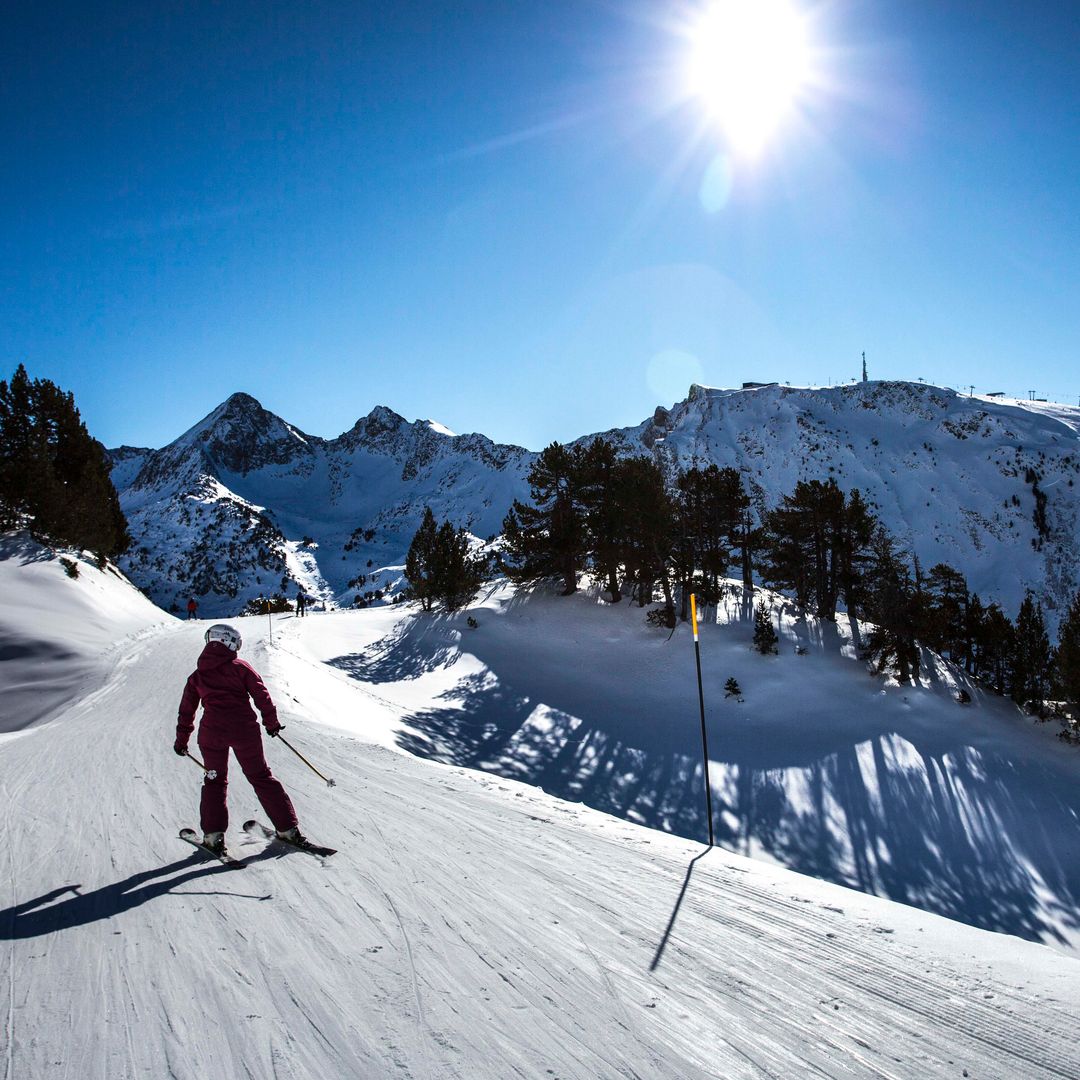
x=966, y=811
x=55, y=630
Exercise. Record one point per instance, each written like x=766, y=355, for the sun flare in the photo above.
x=749, y=63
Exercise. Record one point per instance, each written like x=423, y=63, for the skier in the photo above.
x=301, y=603
x=223, y=683
x=192, y=607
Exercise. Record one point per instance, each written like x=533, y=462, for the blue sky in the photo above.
x=508, y=218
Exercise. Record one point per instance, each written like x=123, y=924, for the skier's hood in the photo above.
x=215, y=655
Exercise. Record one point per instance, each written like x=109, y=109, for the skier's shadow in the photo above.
x=32, y=918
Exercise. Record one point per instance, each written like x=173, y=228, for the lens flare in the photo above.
x=749, y=62
x=716, y=184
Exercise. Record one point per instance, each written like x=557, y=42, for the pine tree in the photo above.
x=974, y=620
x=650, y=551
x=1031, y=662
x=21, y=453
x=787, y=549
x=944, y=620
x=817, y=543
x=892, y=606
x=458, y=574
x=440, y=567
x=765, y=638
x=994, y=637
x=547, y=539
x=422, y=561
x=1068, y=658
x=710, y=507
x=52, y=472
x=605, y=513
x=853, y=549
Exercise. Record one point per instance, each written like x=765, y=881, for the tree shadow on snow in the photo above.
x=22, y=546
x=426, y=646
x=49, y=913
x=923, y=815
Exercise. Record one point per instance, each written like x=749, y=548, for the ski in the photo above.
x=192, y=837
x=257, y=828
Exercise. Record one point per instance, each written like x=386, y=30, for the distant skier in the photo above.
x=301, y=603
x=223, y=683
x=192, y=608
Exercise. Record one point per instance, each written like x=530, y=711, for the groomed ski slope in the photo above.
x=471, y=926
x=972, y=812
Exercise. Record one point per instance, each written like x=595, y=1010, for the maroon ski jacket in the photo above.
x=223, y=683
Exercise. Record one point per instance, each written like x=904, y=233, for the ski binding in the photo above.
x=192, y=837
x=257, y=828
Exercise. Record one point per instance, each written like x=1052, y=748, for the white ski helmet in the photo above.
x=226, y=635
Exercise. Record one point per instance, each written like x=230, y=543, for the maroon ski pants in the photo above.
x=246, y=743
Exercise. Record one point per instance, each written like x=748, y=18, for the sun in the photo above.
x=749, y=63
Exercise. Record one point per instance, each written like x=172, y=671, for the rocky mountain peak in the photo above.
x=979, y=483
x=240, y=403
x=240, y=436
x=380, y=421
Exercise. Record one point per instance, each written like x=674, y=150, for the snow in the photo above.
x=361, y=497
x=473, y=925
x=440, y=429
x=946, y=473
x=896, y=791
x=55, y=629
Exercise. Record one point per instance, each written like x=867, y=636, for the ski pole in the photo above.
x=329, y=782
x=211, y=774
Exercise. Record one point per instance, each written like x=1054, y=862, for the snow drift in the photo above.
x=968, y=811
x=58, y=631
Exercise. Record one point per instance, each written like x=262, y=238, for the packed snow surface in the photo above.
x=473, y=925
x=970, y=811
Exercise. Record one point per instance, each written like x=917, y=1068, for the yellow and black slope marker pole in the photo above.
x=704, y=733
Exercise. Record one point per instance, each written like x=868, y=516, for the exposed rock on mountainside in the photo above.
x=987, y=486
x=244, y=503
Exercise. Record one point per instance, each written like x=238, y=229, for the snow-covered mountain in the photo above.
x=244, y=504
x=984, y=484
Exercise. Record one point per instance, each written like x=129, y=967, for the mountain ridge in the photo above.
x=223, y=511
x=984, y=484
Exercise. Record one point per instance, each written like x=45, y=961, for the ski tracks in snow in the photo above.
x=469, y=927
x=861, y=975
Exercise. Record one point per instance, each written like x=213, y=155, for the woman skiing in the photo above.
x=224, y=683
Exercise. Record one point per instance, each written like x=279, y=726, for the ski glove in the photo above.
x=180, y=748
x=273, y=731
